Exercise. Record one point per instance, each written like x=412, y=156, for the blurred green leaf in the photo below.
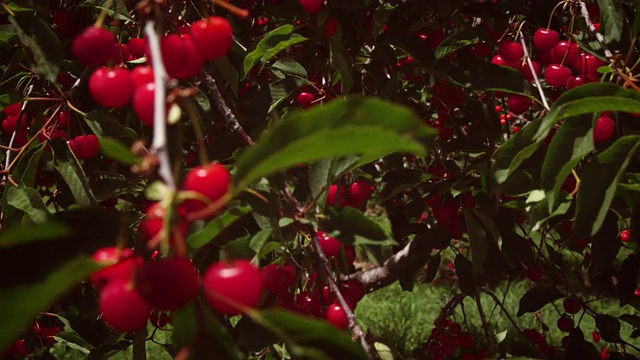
x=216, y=226
x=26, y=301
x=23, y=235
x=37, y=36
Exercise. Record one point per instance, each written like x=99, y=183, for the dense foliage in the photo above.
x=242, y=174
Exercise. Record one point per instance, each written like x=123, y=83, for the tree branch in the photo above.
x=231, y=120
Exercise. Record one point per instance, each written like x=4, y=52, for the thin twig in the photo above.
x=585, y=14
x=159, y=145
x=231, y=120
x=7, y=159
x=533, y=73
x=353, y=325
x=499, y=303
x=485, y=324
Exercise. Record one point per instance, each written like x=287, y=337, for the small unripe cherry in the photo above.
x=604, y=129
x=122, y=307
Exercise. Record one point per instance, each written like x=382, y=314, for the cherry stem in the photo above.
x=103, y=13
x=353, y=325
x=553, y=12
x=241, y=13
x=587, y=19
x=198, y=129
x=7, y=162
x=536, y=80
x=159, y=144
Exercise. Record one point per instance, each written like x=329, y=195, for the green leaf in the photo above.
x=258, y=241
x=454, y=42
x=9, y=98
x=520, y=147
x=216, y=226
x=74, y=341
x=478, y=240
x=353, y=222
x=339, y=56
x=270, y=45
x=609, y=328
x=343, y=127
x=102, y=125
x=27, y=167
x=289, y=67
x=27, y=301
x=612, y=19
x=116, y=151
x=42, y=41
x=572, y=142
x=29, y=201
x=71, y=171
x=24, y=235
x=537, y=297
x=308, y=336
x=599, y=181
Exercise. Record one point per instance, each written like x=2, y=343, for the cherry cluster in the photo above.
x=447, y=341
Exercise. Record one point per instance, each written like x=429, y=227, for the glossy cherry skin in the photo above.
x=153, y=224
x=230, y=284
x=518, y=104
x=142, y=75
x=545, y=39
x=111, y=87
x=143, y=101
x=305, y=99
x=360, y=191
x=557, y=75
x=122, y=307
x=212, y=181
x=337, y=316
x=278, y=279
x=511, y=51
x=120, y=265
x=194, y=62
x=604, y=129
x=330, y=245
x=212, y=37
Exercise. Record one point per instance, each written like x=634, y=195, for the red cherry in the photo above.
x=349, y=253
x=332, y=194
x=557, y=75
x=93, y=47
x=565, y=323
x=212, y=181
x=120, y=265
x=567, y=53
x=312, y=6
x=330, y=27
x=119, y=54
x=143, y=100
x=308, y=303
x=518, y=104
x=13, y=109
x=360, y=191
x=596, y=336
x=604, y=129
x=111, y=87
x=353, y=291
x=535, y=273
x=278, y=279
x=153, y=223
x=499, y=60
x=75, y=147
x=511, y=51
x=228, y=284
x=141, y=75
x=526, y=70
x=194, y=63
x=136, y=47
x=64, y=24
x=122, y=307
x=330, y=246
x=576, y=81
x=572, y=305
x=168, y=284
x=589, y=65
x=544, y=57
x=545, y=39
x=305, y=99
x=212, y=37
x=89, y=146
x=65, y=119
x=173, y=51
x=337, y=317
x=625, y=235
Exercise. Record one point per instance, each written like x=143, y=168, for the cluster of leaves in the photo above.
x=392, y=77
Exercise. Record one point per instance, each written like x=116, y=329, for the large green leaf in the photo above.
x=537, y=297
x=477, y=239
x=42, y=41
x=71, y=171
x=354, y=126
x=572, y=142
x=27, y=167
x=612, y=19
x=270, y=45
x=600, y=179
x=19, y=235
x=310, y=337
x=115, y=150
x=520, y=147
x=27, y=200
x=352, y=221
x=455, y=41
x=23, y=303
x=102, y=125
